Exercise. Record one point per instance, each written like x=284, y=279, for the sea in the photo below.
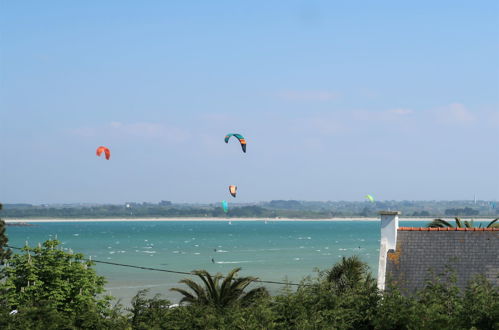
x=274, y=251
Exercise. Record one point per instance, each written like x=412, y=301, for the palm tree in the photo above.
x=349, y=273
x=228, y=293
x=440, y=223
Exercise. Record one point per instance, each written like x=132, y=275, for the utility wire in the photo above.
x=165, y=270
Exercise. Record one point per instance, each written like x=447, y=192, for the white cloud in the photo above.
x=386, y=115
x=144, y=130
x=324, y=125
x=149, y=131
x=455, y=113
x=400, y=112
x=494, y=118
x=320, y=96
x=84, y=131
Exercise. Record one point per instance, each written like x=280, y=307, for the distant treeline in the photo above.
x=272, y=209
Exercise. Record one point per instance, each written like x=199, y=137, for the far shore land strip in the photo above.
x=43, y=220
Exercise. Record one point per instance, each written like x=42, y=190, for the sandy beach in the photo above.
x=214, y=219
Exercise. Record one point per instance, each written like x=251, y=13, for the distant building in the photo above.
x=410, y=256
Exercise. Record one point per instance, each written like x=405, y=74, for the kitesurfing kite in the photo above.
x=233, y=190
x=225, y=206
x=239, y=137
x=106, y=151
x=370, y=198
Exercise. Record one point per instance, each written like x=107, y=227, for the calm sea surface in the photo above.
x=274, y=251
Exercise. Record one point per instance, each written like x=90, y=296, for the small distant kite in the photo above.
x=225, y=206
x=239, y=137
x=370, y=198
x=233, y=190
x=106, y=151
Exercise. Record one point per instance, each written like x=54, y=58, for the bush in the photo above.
x=48, y=285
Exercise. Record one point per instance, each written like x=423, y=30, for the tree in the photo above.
x=421, y=214
x=440, y=305
x=147, y=312
x=481, y=303
x=440, y=223
x=4, y=252
x=230, y=292
x=467, y=211
x=365, y=212
x=47, y=276
x=349, y=273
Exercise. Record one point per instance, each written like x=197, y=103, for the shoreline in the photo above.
x=57, y=220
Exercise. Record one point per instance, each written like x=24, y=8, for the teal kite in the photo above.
x=239, y=137
x=225, y=206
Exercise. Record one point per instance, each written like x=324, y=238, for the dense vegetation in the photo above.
x=4, y=252
x=272, y=209
x=467, y=211
x=48, y=288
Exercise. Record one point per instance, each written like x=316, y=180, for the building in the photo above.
x=410, y=256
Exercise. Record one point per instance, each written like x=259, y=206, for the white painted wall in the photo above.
x=388, y=241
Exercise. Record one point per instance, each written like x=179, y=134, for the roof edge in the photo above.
x=389, y=212
x=445, y=229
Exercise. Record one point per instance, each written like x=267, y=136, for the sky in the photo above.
x=336, y=99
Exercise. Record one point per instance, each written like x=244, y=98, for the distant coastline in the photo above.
x=55, y=220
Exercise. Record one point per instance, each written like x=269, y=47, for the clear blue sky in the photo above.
x=336, y=99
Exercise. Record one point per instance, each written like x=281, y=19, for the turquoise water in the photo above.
x=274, y=251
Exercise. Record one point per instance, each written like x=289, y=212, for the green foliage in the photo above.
x=45, y=316
x=156, y=313
x=317, y=305
x=220, y=295
x=441, y=305
x=349, y=273
x=50, y=277
x=493, y=224
x=481, y=305
x=441, y=223
x=4, y=252
x=44, y=283
x=48, y=288
x=286, y=205
x=39, y=317
x=467, y=211
x=149, y=313
x=272, y=209
x=421, y=214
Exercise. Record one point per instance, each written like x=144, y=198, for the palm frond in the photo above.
x=216, y=286
x=198, y=290
x=348, y=273
x=230, y=292
x=242, y=282
x=439, y=223
x=187, y=296
x=234, y=287
x=209, y=284
x=459, y=223
x=469, y=224
x=493, y=224
x=226, y=283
